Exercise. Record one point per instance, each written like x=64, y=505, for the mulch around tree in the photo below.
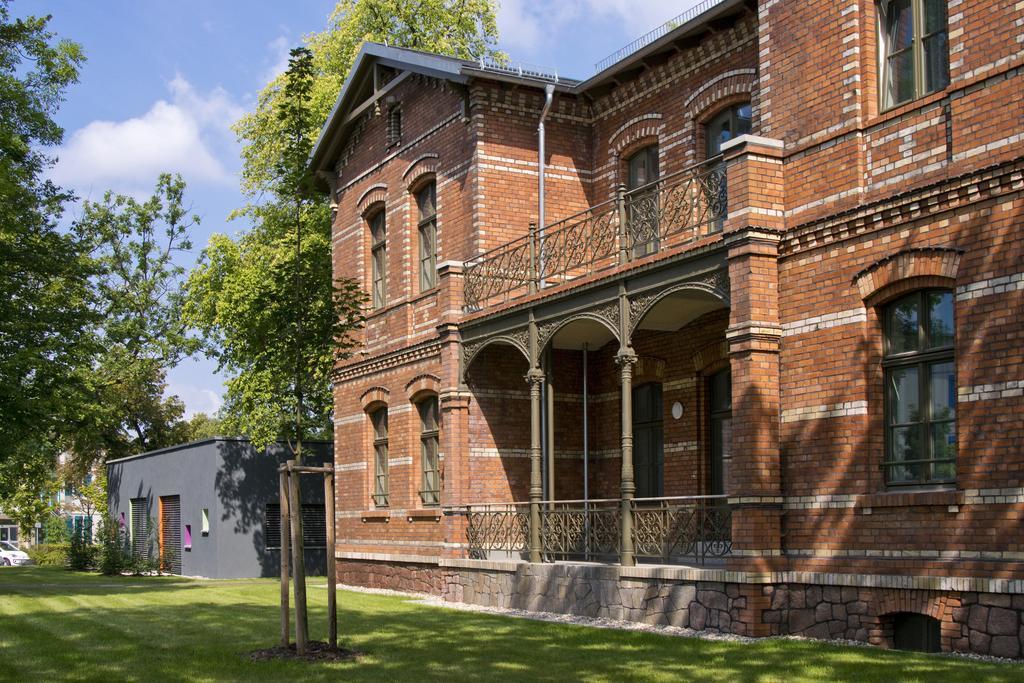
x=316, y=651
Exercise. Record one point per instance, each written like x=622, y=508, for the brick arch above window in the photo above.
x=421, y=385
x=378, y=194
x=907, y=270
x=418, y=171
x=721, y=91
x=711, y=358
x=647, y=124
x=374, y=397
x=934, y=605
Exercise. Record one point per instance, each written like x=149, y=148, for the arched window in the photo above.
x=430, y=466
x=426, y=204
x=378, y=258
x=920, y=389
x=381, y=484
x=727, y=124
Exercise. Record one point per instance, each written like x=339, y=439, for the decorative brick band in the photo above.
x=847, y=409
x=350, y=466
x=824, y=321
x=996, y=285
x=376, y=194
x=403, y=460
x=986, y=392
x=928, y=554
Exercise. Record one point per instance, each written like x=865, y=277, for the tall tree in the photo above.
x=241, y=295
x=137, y=248
x=460, y=28
x=45, y=310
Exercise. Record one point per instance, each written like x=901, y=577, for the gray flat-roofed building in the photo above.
x=211, y=507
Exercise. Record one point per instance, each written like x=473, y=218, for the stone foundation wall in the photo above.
x=983, y=623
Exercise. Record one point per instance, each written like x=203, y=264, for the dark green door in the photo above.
x=648, y=442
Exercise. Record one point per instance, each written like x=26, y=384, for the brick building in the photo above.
x=752, y=365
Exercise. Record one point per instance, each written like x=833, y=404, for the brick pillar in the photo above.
x=753, y=230
x=453, y=401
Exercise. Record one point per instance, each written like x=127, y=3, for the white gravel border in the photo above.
x=621, y=625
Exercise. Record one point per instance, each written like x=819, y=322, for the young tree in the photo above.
x=240, y=296
x=45, y=310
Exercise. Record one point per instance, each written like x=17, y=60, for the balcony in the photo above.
x=687, y=530
x=635, y=224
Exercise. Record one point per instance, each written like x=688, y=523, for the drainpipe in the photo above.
x=549, y=95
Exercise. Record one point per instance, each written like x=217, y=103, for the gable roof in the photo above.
x=359, y=92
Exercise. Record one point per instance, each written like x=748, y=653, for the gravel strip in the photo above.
x=675, y=631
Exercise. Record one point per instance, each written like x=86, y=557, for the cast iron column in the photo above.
x=536, y=378
x=626, y=360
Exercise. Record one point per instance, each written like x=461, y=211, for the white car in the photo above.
x=10, y=555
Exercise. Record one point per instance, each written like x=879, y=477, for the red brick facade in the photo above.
x=835, y=209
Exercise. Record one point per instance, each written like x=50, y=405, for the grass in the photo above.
x=59, y=625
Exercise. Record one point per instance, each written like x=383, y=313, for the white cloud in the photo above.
x=193, y=381
x=280, y=50
x=190, y=134
x=525, y=25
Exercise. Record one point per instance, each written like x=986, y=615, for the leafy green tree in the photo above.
x=203, y=426
x=137, y=247
x=460, y=28
x=45, y=297
x=266, y=304
x=241, y=294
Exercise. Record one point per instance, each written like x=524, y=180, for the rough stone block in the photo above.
x=682, y=595
x=680, y=618
x=800, y=619
x=713, y=599
x=698, y=616
x=1005, y=646
x=820, y=631
x=960, y=614
x=978, y=619
x=813, y=595
x=980, y=642
x=772, y=616
x=823, y=612
x=994, y=600
x=797, y=599
x=1002, y=622
x=849, y=594
x=858, y=607
x=732, y=590
x=839, y=611
x=832, y=594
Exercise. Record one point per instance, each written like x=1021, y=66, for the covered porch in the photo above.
x=618, y=449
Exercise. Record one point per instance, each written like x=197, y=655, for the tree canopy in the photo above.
x=45, y=299
x=241, y=294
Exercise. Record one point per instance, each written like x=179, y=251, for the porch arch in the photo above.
x=470, y=350
x=673, y=307
x=574, y=331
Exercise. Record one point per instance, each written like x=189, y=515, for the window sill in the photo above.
x=951, y=499
x=376, y=516
x=424, y=515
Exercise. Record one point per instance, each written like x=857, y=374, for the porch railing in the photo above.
x=669, y=212
x=672, y=530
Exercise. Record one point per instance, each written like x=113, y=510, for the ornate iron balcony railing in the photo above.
x=669, y=212
x=673, y=530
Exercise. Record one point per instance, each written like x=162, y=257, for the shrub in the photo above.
x=55, y=531
x=49, y=554
x=82, y=554
x=114, y=552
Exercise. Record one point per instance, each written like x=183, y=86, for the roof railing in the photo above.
x=521, y=69
x=651, y=36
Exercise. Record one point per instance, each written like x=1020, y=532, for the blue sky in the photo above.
x=165, y=80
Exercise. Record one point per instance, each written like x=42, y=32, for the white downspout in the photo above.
x=549, y=95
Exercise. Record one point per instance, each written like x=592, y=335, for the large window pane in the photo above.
x=901, y=77
x=940, y=319
x=903, y=325
x=942, y=391
x=904, y=402
x=943, y=438
x=905, y=444
x=900, y=25
x=934, y=16
x=936, y=62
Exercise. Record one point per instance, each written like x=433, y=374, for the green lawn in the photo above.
x=58, y=625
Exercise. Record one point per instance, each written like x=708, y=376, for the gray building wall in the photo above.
x=234, y=482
